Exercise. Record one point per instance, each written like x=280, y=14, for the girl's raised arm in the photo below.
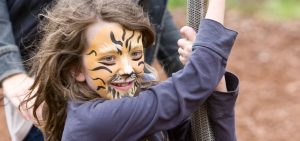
x=216, y=10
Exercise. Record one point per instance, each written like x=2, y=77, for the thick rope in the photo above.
x=201, y=128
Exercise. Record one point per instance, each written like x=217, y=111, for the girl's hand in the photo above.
x=185, y=43
x=185, y=50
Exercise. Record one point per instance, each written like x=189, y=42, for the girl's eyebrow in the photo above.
x=110, y=48
x=133, y=47
x=136, y=46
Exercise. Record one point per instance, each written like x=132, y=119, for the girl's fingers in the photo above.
x=182, y=52
x=188, y=33
x=182, y=60
x=185, y=44
x=182, y=43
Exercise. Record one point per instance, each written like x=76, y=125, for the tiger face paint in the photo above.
x=113, y=61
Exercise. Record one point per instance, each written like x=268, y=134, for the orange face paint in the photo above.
x=113, y=60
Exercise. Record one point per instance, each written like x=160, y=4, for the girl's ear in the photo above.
x=79, y=76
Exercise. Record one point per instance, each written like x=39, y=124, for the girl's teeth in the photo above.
x=122, y=84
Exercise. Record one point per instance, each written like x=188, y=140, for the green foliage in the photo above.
x=176, y=4
x=274, y=9
x=284, y=9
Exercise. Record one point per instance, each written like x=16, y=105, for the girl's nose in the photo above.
x=126, y=67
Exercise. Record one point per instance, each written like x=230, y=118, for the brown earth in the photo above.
x=265, y=58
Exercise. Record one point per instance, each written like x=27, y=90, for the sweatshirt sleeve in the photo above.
x=220, y=107
x=165, y=105
x=10, y=59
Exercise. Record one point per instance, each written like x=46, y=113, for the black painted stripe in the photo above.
x=142, y=62
x=100, y=87
x=129, y=47
x=139, y=38
x=113, y=91
x=126, y=43
x=124, y=33
x=107, y=64
x=100, y=80
x=113, y=39
x=101, y=67
x=93, y=51
x=119, y=51
x=118, y=95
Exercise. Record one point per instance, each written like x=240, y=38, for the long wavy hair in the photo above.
x=63, y=42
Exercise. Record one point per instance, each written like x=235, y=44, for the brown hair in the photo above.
x=60, y=54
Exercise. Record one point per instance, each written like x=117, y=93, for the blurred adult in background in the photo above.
x=167, y=35
x=18, y=26
x=19, y=31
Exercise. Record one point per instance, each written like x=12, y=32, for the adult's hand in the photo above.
x=16, y=88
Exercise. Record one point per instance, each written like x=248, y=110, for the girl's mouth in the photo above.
x=122, y=86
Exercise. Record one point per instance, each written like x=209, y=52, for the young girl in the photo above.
x=90, y=80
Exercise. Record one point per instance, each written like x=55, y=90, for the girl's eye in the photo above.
x=136, y=55
x=108, y=60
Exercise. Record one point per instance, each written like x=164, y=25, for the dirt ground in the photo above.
x=266, y=59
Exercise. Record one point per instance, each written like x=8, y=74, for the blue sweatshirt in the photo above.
x=167, y=104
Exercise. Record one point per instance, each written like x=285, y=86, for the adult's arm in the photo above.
x=10, y=59
x=10, y=69
x=167, y=47
x=13, y=78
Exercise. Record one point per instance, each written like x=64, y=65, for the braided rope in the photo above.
x=201, y=128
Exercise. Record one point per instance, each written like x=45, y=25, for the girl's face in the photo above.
x=113, y=61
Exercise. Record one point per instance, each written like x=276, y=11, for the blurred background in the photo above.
x=266, y=57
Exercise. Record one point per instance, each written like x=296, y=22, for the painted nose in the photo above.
x=126, y=67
